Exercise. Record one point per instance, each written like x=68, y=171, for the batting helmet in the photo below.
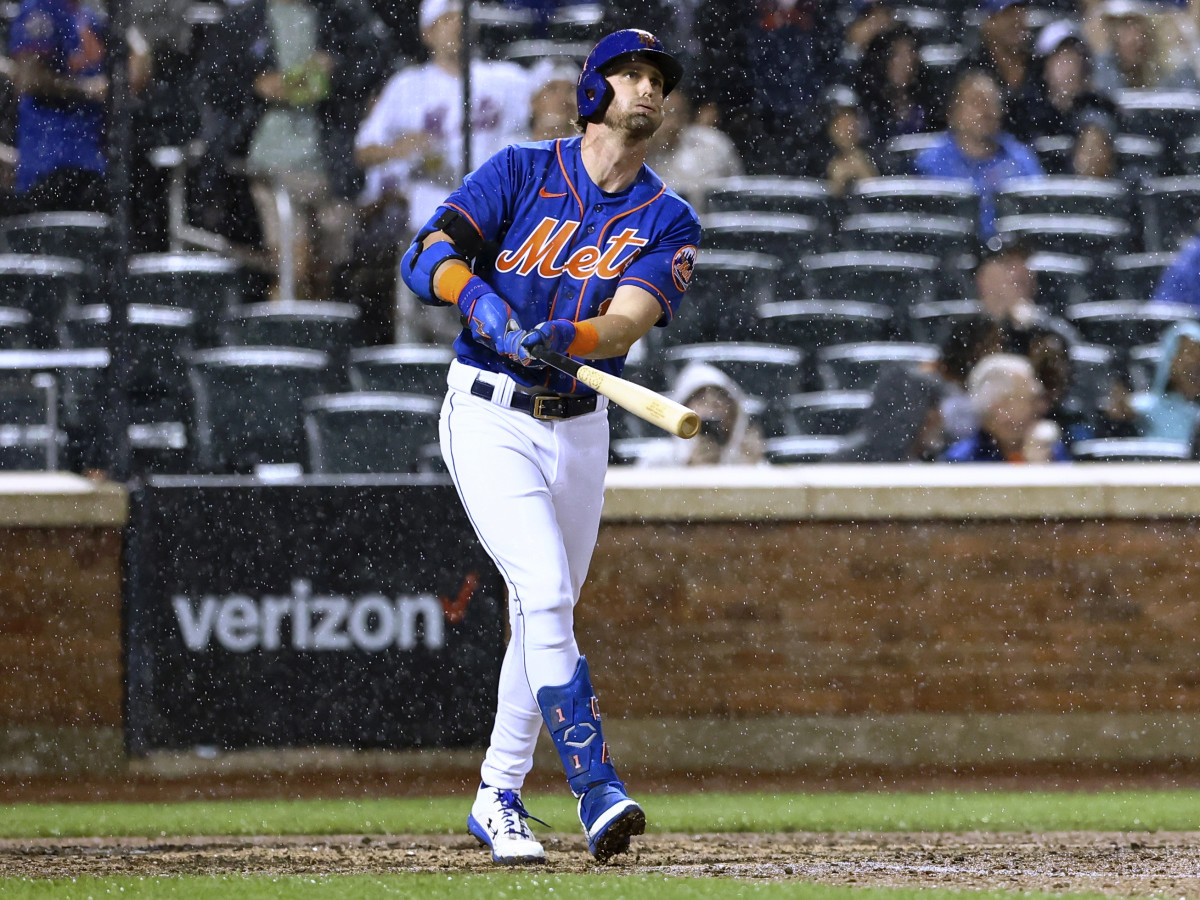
x=593, y=92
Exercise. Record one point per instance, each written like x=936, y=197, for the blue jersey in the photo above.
x=58, y=134
x=557, y=247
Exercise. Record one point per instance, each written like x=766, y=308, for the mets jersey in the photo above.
x=557, y=247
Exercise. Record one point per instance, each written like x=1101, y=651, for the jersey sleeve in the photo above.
x=665, y=268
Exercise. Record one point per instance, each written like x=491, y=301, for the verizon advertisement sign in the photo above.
x=321, y=612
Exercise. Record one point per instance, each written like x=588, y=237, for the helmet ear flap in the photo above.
x=592, y=94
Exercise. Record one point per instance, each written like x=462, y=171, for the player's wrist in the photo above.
x=451, y=279
x=586, y=339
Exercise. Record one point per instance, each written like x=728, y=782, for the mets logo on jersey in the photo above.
x=682, y=267
x=541, y=252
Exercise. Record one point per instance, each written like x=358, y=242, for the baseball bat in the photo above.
x=641, y=401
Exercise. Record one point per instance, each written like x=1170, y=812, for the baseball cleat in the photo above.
x=497, y=819
x=609, y=817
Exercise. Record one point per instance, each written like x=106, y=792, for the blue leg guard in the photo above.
x=608, y=815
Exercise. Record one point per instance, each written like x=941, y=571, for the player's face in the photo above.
x=637, y=103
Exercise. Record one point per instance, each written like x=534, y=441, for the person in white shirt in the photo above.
x=689, y=152
x=410, y=143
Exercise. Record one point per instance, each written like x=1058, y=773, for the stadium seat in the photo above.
x=205, y=283
x=785, y=236
x=30, y=438
x=15, y=328
x=530, y=52
x=314, y=325
x=942, y=237
x=1166, y=115
x=825, y=412
x=1063, y=280
x=771, y=194
x=1123, y=324
x=78, y=379
x=930, y=323
x=1087, y=236
x=803, y=449
x=895, y=280
x=901, y=152
x=954, y=197
x=368, y=432
x=1136, y=275
x=248, y=406
x=1138, y=156
x=160, y=338
x=1170, y=211
x=856, y=367
x=1064, y=195
x=81, y=236
x=401, y=369
x=722, y=303
x=1093, y=369
x=1130, y=450
x=811, y=324
x=44, y=286
x=635, y=450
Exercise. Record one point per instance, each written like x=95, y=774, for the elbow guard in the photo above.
x=419, y=263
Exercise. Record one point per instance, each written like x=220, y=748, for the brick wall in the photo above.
x=980, y=617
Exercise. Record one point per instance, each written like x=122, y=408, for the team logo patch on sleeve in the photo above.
x=682, y=267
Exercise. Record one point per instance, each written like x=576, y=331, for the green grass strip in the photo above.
x=499, y=886
x=677, y=812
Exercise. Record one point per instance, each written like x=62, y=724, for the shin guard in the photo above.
x=573, y=717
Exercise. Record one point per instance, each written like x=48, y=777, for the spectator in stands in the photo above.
x=1137, y=55
x=1094, y=151
x=728, y=435
x=1180, y=281
x=58, y=48
x=871, y=19
x=846, y=141
x=903, y=422
x=283, y=84
x=1051, y=357
x=967, y=341
x=1006, y=288
x=1061, y=90
x=976, y=146
x=1005, y=50
x=690, y=155
x=410, y=145
x=766, y=66
x=552, y=108
x=1170, y=409
x=1011, y=403
x=896, y=89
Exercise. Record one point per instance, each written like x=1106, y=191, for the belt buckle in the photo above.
x=539, y=400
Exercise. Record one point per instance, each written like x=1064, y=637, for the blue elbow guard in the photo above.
x=419, y=264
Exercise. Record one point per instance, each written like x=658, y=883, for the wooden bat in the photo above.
x=641, y=401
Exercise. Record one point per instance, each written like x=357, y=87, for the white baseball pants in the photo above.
x=533, y=491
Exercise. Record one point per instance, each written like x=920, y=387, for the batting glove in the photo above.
x=486, y=314
x=556, y=335
x=512, y=345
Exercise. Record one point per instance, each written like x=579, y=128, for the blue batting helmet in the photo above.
x=593, y=92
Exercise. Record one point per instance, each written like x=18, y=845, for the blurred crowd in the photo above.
x=313, y=135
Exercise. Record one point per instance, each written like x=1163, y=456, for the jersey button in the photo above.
x=591, y=228
x=598, y=208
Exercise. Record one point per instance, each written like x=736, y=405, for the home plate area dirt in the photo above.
x=1114, y=864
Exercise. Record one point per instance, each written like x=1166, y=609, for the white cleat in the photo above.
x=497, y=819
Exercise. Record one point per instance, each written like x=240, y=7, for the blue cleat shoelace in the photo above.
x=511, y=804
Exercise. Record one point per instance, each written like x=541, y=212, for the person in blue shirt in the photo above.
x=1180, y=281
x=58, y=48
x=976, y=147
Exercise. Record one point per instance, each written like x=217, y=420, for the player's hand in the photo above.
x=487, y=315
x=512, y=345
x=556, y=335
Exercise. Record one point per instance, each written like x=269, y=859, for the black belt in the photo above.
x=540, y=406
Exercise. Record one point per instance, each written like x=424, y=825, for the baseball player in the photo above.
x=576, y=246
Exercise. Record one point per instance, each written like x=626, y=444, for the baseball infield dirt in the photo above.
x=1117, y=865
